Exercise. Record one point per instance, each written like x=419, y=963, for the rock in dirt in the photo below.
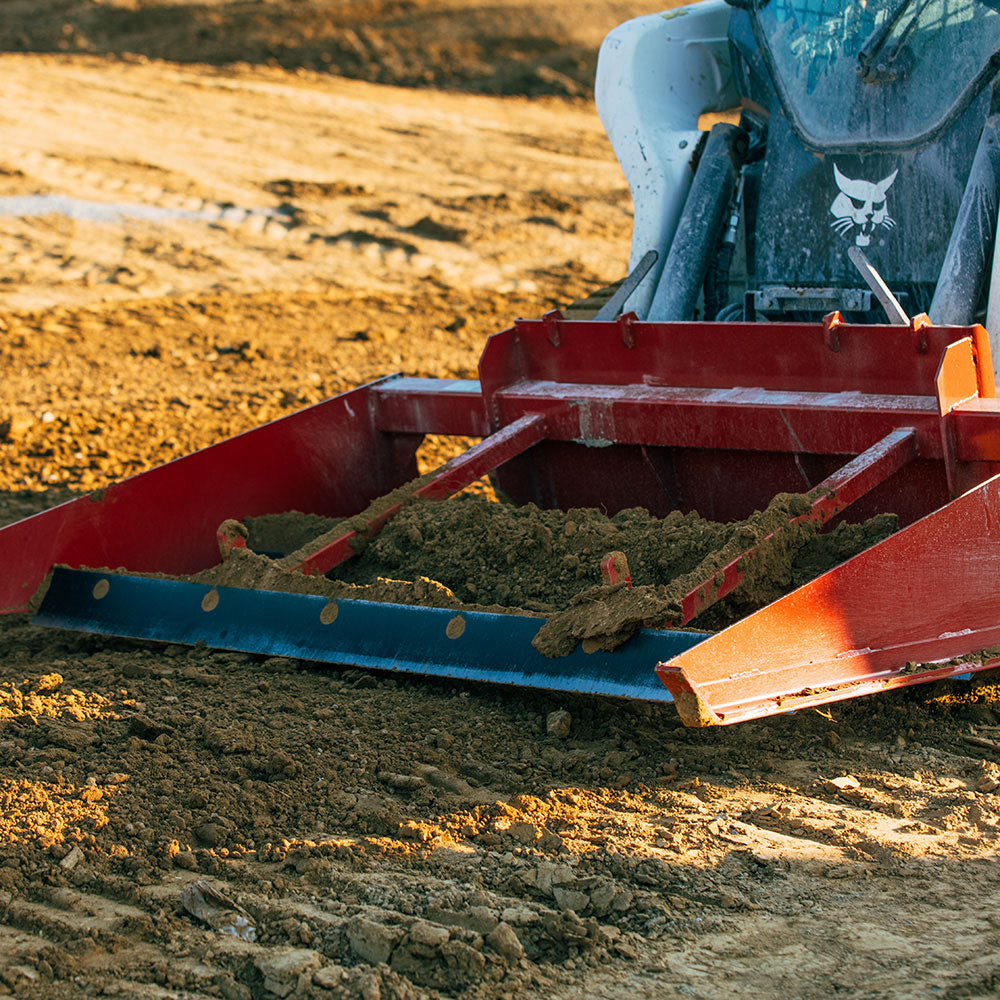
x=72, y=859
x=186, y=860
x=329, y=977
x=210, y=834
x=148, y=729
x=505, y=942
x=547, y=875
x=372, y=942
x=441, y=779
x=283, y=967
x=428, y=935
x=403, y=782
x=558, y=723
x=607, y=897
x=15, y=975
x=479, y=919
x=570, y=899
x=523, y=833
x=846, y=783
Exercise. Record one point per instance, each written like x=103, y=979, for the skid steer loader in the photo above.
x=811, y=284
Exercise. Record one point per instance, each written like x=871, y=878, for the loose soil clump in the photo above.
x=472, y=552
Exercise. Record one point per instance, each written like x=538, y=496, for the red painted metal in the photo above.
x=892, y=616
x=451, y=478
x=831, y=497
x=884, y=360
x=327, y=459
x=614, y=570
x=713, y=417
x=406, y=405
x=698, y=398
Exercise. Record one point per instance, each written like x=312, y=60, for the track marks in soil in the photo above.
x=308, y=187
x=447, y=813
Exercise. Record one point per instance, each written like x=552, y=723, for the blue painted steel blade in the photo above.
x=491, y=647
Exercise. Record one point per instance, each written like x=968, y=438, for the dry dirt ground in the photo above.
x=268, y=233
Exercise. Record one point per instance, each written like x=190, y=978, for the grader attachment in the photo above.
x=671, y=416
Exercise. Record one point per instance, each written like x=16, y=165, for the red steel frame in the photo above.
x=713, y=417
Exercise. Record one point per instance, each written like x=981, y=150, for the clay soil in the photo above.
x=390, y=837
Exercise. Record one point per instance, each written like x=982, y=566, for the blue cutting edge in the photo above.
x=439, y=642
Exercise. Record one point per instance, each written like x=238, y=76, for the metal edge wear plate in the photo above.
x=440, y=642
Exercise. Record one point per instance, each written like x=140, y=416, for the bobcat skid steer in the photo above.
x=812, y=281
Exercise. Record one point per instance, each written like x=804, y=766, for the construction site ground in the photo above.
x=230, y=228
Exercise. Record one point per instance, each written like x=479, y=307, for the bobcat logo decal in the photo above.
x=860, y=207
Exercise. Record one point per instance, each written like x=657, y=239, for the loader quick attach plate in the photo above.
x=439, y=642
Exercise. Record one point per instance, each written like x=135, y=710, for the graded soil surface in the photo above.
x=182, y=823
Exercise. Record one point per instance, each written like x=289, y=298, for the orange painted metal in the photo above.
x=959, y=380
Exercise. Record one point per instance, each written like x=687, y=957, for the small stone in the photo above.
x=571, y=899
x=329, y=977
x=558, y=723
x=232, y=990
x=479, y=919
x=186, y=860
x=441, y=779
x=987, y=784
x=406, y=782
x=547, y=875
x=72, y=859
x=210, y=834
x=282, y=968
x=602, y=898
x=372, y=942
x=505, y=942
x=842, y=784
x=525, y=833
x=623, y=900
x=431, y=935
x=549, y=841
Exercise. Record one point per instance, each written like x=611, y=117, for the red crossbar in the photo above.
x=833, y=495
x=452, y=477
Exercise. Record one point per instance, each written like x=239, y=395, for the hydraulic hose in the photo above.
x=701, y=224
x=970, y=249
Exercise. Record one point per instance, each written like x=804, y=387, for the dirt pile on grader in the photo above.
x=478, y=554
